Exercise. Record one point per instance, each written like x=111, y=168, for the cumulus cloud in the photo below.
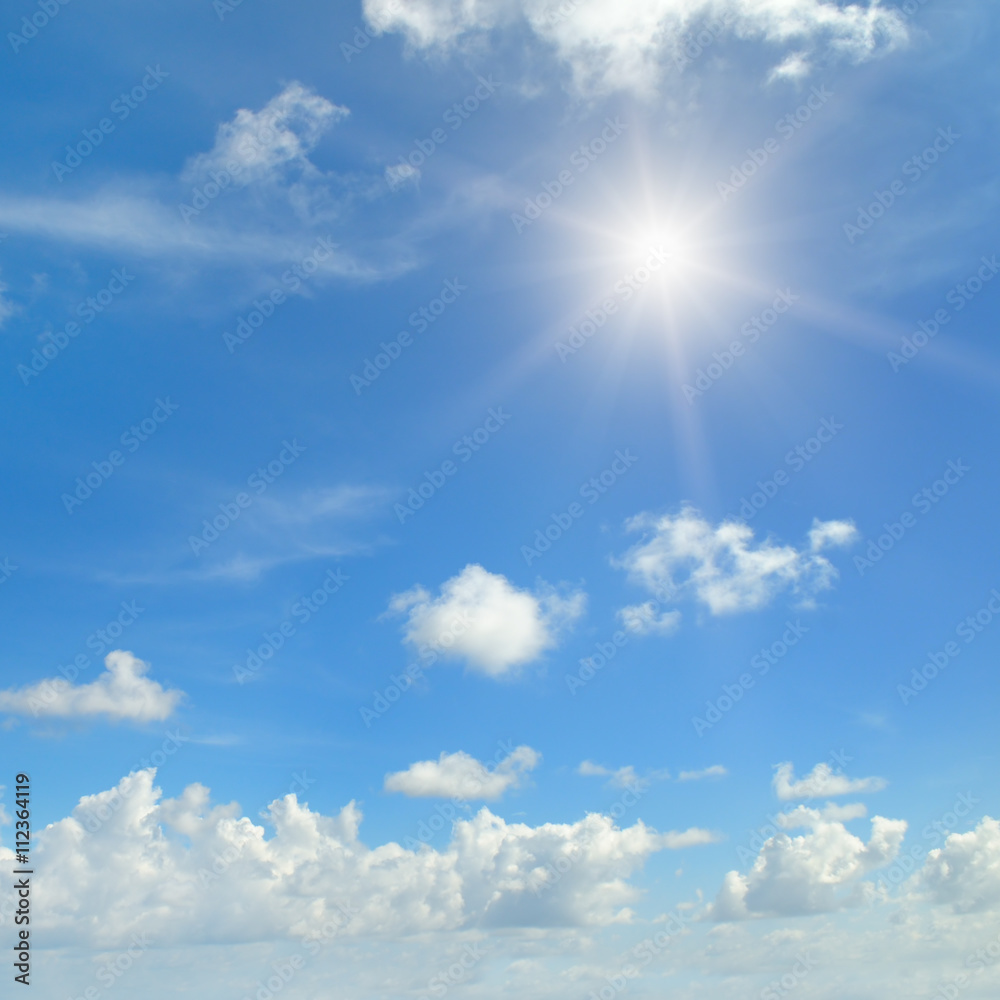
x=821, y=782
x=266, y=144
x=831, y=534
x=607, y=45
x=484, y=619
x=461, y=776
x=722, y=566
x=123, y=691
x=818, y=872
x=715, y=771
x=189, y=872
x=965, y=873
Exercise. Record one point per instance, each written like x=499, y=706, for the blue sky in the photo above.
x=483, y=341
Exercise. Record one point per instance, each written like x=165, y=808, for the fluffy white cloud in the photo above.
x=722, y=566
x=965, y=873
x=121, y=692
x=482, y=618
x=186, y=871
x=264, y=144
x=646, y=619
x=609, y=45
x=831, y=534
x=715, y=771
x=821, y=782
x=461, y=776
x=818, y=872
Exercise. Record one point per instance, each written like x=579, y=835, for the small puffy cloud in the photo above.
x=965, y=873
x=123, y=691
x=715, y=771
x=694, y=836
x=836, y=534
x=484, y=619
x=647, y=619
x=820, y=783
x=187, y=871
x=461, y=776
x=263, y=144
x=818, y=872
x=722, y=566
x=611, y=46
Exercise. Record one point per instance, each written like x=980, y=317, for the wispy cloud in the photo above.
x=715, y=771
x=622, y=777
x=254, y=200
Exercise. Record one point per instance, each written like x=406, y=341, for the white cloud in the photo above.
x=482, y=618
x=821, y=782
x=461, y=776
x=123, y=218
x=818, y=872
x=826, y=534
x=121, y=692
x=607, y=45
x=267, y=215
x=692, y=837
x=589, y=769
x=722, y=566
x=830, y=813
x=189, y=872
x=795, y=67
x=623, y=777
x=645, y=619
x=965, y=873
x=715, y=771
x=263, y=145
